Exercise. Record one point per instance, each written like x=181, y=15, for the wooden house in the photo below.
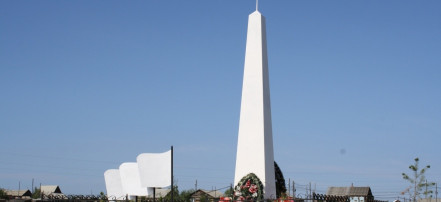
x=355, y=194
x=205, y=195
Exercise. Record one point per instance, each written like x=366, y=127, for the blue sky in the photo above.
x=88, y=85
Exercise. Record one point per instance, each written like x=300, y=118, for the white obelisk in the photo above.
x=255, y=140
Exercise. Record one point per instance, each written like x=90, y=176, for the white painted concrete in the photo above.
x=113, y=184
x=155, y=169
x=255, y=142
x=130, y=180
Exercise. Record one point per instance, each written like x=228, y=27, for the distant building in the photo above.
x=160, y=193
x=429, y=200
x=51, y=191
x=355, y=194
x=12, y=194
x=205, y=195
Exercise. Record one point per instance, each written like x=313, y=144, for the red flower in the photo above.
x=248, y=184
x=253, y=188
x=224, y=199
x=241, y=198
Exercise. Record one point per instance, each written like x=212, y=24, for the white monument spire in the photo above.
x=257, y=5
x=255, y=141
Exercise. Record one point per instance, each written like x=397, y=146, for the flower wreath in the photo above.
x=249, y=188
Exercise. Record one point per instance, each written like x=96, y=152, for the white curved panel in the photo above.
x=130, y=179
x=155, y=169
x=113, y=184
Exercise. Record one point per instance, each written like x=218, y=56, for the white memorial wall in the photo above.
x=130, y=179
x=113, y=184
x=152, y=170
x=154, y=174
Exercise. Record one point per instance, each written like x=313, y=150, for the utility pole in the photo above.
x=172, y=174
x=436, y=191
x=196, y=185
x=310, y=190
x=289, y=186
x=293, y=189
x=307, y=192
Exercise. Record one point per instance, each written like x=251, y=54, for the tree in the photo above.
x=229, y=192
x=3, y=194
x=175, y=194
x=280, y=181
x=186, y=195
x=36, y=193
x=418, y=181
x=103, y=197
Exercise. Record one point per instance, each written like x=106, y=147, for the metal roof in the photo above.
x=212, y=193
x=349, y=191
x=49, y=189
x=18, y=192
x=161, y=192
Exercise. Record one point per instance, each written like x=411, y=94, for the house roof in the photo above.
x=211, y=193
x=161, y=192
x=49, y=189
x=214, y=193
x=18, y=192
x=349, y=191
